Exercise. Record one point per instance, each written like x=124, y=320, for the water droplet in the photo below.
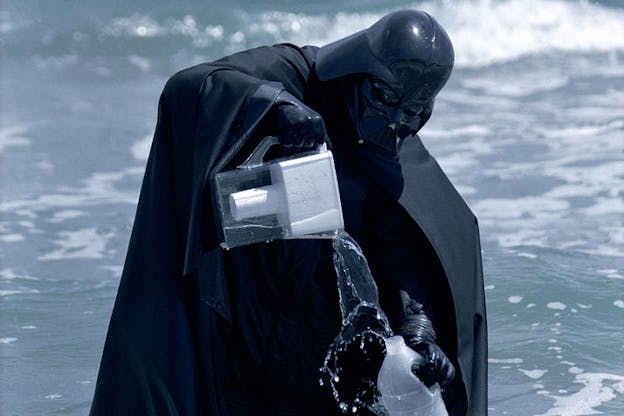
x=354, y=409
x=336, y=379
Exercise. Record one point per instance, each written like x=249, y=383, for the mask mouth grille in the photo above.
x=403, y=131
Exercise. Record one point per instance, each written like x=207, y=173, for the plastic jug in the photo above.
x=402, y=393
x=294, y=197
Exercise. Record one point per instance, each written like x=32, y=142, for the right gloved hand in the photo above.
x=418, y=333
x=298, y=126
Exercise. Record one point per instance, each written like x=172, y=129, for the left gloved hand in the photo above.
x=417, y=330
x=298, y=126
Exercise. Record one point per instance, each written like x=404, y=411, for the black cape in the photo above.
x=167, y=338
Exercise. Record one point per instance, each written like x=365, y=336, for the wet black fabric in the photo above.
x=199, y=330
x=284, y=315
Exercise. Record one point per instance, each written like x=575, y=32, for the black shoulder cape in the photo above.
x=163, y=353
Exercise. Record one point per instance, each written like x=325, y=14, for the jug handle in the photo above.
x=256, y=157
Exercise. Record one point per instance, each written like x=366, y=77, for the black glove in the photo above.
x=417, y=330
x=298, y=126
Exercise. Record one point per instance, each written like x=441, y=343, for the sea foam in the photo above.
x=598, y=388
x=483, y=32
x=86, y=243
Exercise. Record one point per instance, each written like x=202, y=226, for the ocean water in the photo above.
x=530, y=128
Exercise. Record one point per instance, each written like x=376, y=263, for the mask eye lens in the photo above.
x=383, y=94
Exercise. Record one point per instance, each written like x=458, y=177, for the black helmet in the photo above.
x=392, y=49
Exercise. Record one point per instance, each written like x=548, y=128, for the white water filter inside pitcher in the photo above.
x=295, y=197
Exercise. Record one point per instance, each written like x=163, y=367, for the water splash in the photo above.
x=354, y=358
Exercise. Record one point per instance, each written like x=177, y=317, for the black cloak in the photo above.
x=169, y=347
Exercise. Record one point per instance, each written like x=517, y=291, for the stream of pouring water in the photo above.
x=354, y=358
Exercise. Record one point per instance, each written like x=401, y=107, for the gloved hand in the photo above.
x=417, y=330
x=298, y=126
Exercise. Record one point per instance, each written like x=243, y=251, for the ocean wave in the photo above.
x=484, y=32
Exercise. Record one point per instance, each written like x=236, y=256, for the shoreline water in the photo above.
x=531, y=136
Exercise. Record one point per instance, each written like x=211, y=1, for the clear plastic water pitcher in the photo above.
x=402, y=393
x=293, y=197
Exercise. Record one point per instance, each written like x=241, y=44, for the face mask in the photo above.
x=381, y=116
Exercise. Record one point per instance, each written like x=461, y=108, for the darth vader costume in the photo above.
x=199, y=330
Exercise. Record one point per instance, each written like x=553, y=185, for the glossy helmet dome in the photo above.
x=406, y=47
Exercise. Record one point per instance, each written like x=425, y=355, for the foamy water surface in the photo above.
x=530, y=129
